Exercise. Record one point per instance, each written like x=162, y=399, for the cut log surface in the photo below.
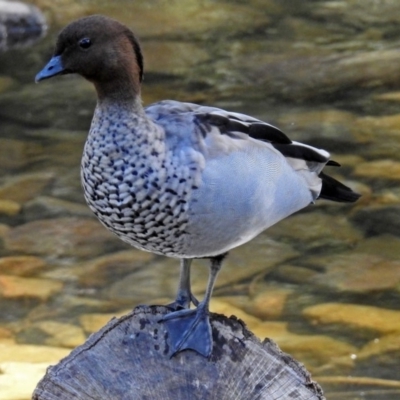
x=128, y=359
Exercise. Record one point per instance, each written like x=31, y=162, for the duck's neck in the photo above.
x=124, y=91
x=125, y=115
x=120, y=84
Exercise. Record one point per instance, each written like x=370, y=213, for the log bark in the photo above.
x=128, y=359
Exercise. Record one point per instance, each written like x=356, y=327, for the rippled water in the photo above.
x=324, y=283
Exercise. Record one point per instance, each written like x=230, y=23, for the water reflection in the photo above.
x=324, y=284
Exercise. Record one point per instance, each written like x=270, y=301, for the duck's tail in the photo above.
x=336, y=191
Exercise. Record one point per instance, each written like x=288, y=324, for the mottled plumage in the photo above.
x=180, y=179
x=137, y=184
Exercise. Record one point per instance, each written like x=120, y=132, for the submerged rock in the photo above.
x=379, y=169
x=104, y=270
x=268, y=302
x=316, y=350
x=294, y=273
x=379, y=219
x=22, y=188
x=193, y=19
x=357, y=272
x=16, y=153
x=53, y=333
x=25, y=353
x=331, y=128
x=21, y=265
x=220, y=306
x=6, y=335
x=62, y=237
x=9, y=208
x=354, y=316
x=316, y=229
x=361, y=15
x=5, y=83
x=380, y=347
x=39, y=106
x=299, y=78
x=380, y=358
x=13, y=287
x=387, y=246
x=43, y=207
x=93, y=322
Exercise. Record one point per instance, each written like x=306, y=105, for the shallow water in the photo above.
x=324, y=284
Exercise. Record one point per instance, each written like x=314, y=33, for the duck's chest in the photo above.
x=137, y=186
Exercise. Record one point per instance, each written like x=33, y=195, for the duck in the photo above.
x=178, y=179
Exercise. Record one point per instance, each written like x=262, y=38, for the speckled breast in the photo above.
x=136, y=187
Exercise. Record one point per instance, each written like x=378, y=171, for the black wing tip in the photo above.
x=267, y=132
x=333, y=163
x=334, y=190
x=258, y=130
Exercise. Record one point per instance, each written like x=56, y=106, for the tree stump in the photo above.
x=128, y=359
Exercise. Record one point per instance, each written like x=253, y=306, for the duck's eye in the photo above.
x=85, y=43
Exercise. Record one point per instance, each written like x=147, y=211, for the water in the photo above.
x=324, y=283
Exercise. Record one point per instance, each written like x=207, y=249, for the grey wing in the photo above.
x=188, y=121
x=226, y=122
x=170, y=114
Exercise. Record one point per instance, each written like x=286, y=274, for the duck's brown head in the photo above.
x=102, y=50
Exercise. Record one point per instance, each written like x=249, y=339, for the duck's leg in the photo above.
x=184, y=294
x=191, y=329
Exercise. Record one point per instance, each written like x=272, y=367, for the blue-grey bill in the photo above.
x=52, y=68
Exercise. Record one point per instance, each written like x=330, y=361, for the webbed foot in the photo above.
x=189, y=329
